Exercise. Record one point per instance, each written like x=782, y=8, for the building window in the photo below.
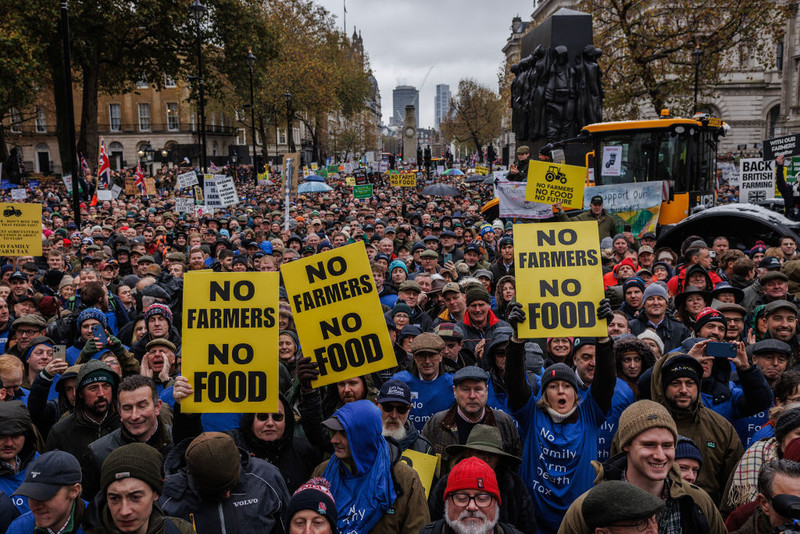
x=41, y=121
x=144, y=117
x=142, y=83
x=172, y=116
x=192, y=121
x=241, y=136
x=281, y=136
x=296, y=135
x=15, y=120
x=114, y=117
x=169, y=81
x=213, y=122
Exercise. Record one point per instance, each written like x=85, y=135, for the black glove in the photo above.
x=604, y=311
x=516, y=315
x=306, y=372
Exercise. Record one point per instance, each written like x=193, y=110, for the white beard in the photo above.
x=396, y=433
x=462, y=528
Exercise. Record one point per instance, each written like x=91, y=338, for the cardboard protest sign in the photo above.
x=226, y=190
x=115, y=191
x=21, y=229
x=338, y=314
x=67, y=179
x=511, y=196
x=150, y=186
x=130, y=186
x=425, y=465
x=187, y=179
x=104, y=194
x=757, y=180
x=230, y=342
x=404, y=179
x=559, y=264
x=549, y=183
x=19, y=194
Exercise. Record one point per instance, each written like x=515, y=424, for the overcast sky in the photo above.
x=404, y=38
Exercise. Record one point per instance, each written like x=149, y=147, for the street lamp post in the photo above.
x=251, y=60
x=696, y=54
x=197, y=9
x=333, y=133
x=289, y=137
x=69, y=107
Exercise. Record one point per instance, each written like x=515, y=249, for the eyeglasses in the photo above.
x=482, y=500
x=27, y=332
x=399, y=408
x=277, y=417
x=642, y=524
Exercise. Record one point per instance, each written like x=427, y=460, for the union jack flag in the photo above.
x=84, y=166
x=104, y=168
x=140, y=178
x=213, y=167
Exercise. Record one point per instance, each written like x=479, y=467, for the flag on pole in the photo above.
x=84, y=166
x=103, y=168
x=213, y=167
x=140, y=178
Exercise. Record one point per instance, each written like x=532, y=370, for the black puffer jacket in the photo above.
x=295, y=457
x=257, y=504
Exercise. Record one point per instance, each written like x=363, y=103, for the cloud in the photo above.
x=404, y=38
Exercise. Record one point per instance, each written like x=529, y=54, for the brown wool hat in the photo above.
x=644, y=415
x=426, y=342
x=162, y=342
x=213, y=462
x=135, y=460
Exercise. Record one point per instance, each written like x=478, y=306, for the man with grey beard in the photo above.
x=394, y=401
x=471, y=502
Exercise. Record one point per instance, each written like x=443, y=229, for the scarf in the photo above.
x=362, y=496
x=744, y=483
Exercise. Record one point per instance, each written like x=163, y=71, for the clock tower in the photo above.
x=410, y=136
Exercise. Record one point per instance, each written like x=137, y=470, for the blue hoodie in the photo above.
x=364, y=496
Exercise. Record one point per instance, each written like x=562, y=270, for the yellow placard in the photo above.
x=425, y=465
x=350, y=180
x=314, y=166
x=482, y=170
x=21, y=229
x=403, y=179
x=230, y=342
x=549, y=183
x=338, y=314
x=559, y=265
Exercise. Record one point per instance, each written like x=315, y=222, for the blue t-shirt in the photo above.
x=556, y=458
x=427, y=397
x=212, y=422
x=748, y=427
x=623, y=397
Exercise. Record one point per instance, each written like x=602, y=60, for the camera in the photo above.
x=787, y=506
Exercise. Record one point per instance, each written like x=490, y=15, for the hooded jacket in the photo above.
x=295, y=457
x=46, y=412
x=697, y=511
x=408, y=511
x=75, y=432
x=257, y=503
x=714, y=435
x=15, y=419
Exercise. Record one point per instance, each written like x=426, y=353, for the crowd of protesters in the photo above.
x=683, y=418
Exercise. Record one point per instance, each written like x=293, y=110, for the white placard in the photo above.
x=348, y=168
x=19, y=194
x=116, y=191
x=226, y=191
x=104, y=194
x=203, y=211
x=612, y=161
x=67, y=179
x=187, y=179
x=184, y=205
x=757, y=180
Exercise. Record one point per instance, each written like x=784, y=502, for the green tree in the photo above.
x=648, y=45
x=475, y=115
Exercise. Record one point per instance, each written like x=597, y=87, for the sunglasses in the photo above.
x=401, y=409
x=277, y=417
